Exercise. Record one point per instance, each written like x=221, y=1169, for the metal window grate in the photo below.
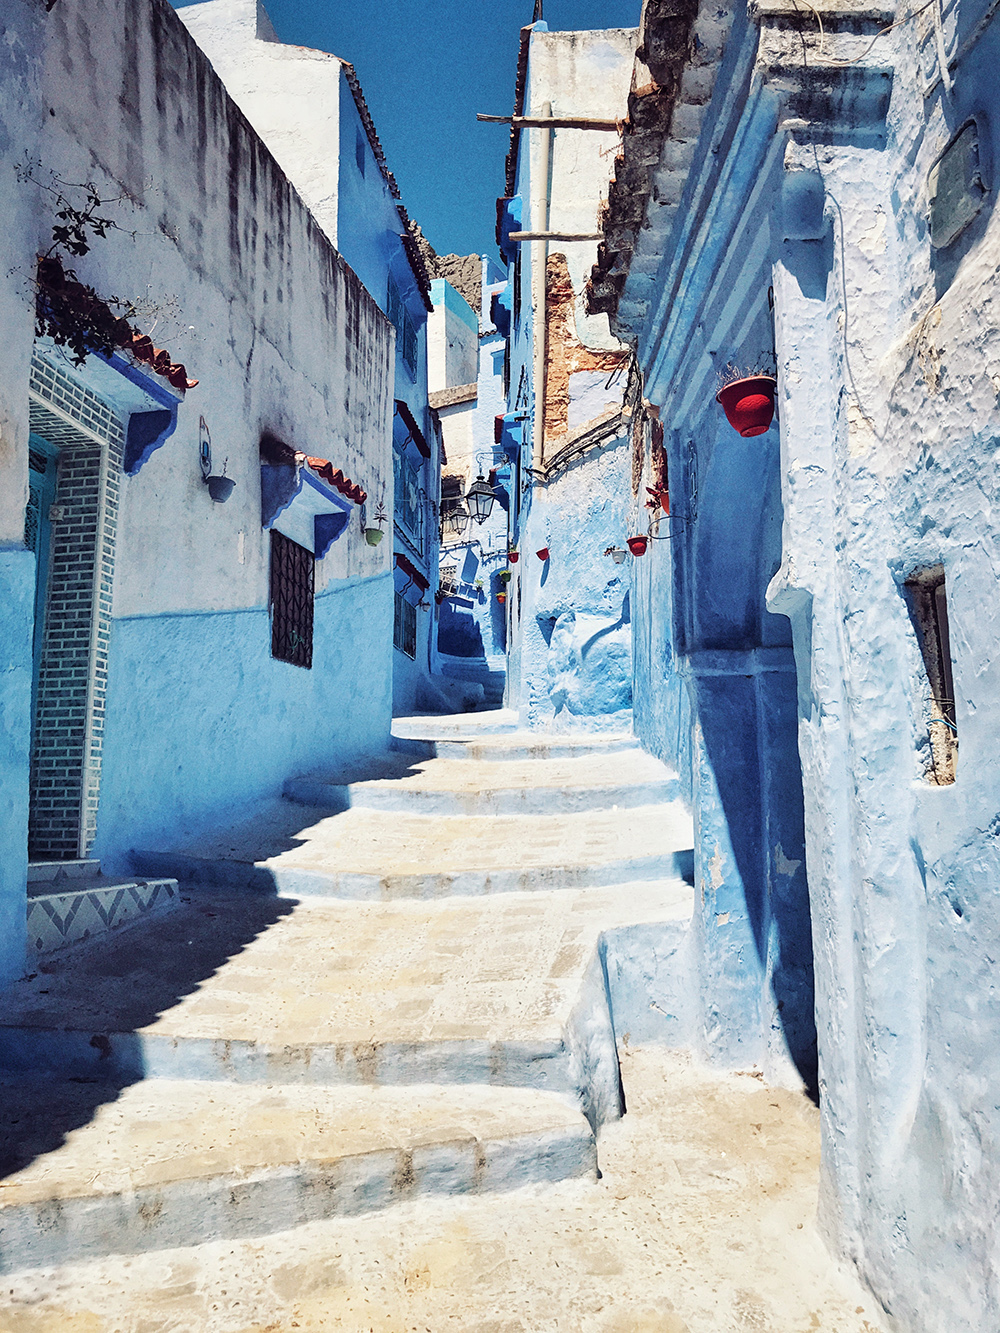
x=404, y=627
x=292, y=586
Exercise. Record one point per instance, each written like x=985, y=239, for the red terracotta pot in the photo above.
x=513, y=557
x=748, y=404
x=543, y=554
x=501, y=597
x=637, y=545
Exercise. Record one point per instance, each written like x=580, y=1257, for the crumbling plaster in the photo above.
x=887, y=366
x=20, y=121
x=570, y=658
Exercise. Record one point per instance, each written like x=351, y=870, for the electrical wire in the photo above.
x=879, y=33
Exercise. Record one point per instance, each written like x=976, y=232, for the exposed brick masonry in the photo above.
x=566, y=354
x=72, y=689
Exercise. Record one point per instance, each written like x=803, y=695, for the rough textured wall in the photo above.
x=570, y=664
x=576, y=614
x=20, y=118
x=284, y=339
x=290, y=95
x=890, y=365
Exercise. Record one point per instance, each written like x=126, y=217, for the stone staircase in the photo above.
x=71, y=901
x=400, y=979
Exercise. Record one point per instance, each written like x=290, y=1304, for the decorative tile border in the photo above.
x=57, y=919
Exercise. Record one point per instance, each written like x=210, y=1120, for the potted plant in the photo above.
x=637, y=545
x=513, y=557
x=747, y=398
x=374, y=535
x=543, y=554
x=617, y=554
x=501, y=597
x=504, y=576
x=220, y=487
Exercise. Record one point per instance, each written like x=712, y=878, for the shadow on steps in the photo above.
x=68, y=1038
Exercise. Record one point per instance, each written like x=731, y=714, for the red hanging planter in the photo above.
x=513, y=557
x=543, y=554
x=637, y=545
x=501, y=597
x=749, y=404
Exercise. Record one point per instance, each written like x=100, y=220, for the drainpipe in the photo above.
x=539, y=256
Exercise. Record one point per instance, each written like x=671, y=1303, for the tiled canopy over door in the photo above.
x=68, y=734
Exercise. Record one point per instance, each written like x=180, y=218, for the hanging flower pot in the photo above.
x=543, y=554
x=220, y=488
x=749, y=404
x=637, y=545
x=373, y=536
x=504, y=576
x=501, y=597
x=513, y=557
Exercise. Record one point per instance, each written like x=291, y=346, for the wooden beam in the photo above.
x=553, y=122
x=556, y=236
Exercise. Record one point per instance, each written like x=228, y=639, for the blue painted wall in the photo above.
x=369, y=233
x=888, y=364
x=17, y=582
x=716, y=679
x=185, y=706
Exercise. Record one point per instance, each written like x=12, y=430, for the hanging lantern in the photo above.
x=749, y=404
x=453, y=520
x=480, y=499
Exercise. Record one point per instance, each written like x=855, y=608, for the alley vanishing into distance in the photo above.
x=499, y=751
x=286, y=1094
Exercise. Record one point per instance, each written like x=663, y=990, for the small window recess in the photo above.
x=359, y=151
x=404, y=627
x=293, y=572
x=928, y=606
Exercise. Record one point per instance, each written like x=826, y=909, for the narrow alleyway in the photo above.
x=390, y=1077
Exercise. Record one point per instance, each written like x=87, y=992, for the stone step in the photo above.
x=605, y=781
x=175, y=1163
x=376, y=855
x=508, y=991
x=54, y=871
x=455, y=726
x=66, y=911
x=518, y=746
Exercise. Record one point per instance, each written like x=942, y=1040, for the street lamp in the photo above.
x=454, y=519
x=480, y=499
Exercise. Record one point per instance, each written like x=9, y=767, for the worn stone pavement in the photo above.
x=703, y=1221
x=390, y=1099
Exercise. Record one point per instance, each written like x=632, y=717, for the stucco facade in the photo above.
x=308, y=107
x=190, y=716
x=819, y=629
x=467, y=355
x=568, y=398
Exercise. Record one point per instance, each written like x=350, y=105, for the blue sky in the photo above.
x=427, y=67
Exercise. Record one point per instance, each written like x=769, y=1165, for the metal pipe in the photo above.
x=539, y=258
